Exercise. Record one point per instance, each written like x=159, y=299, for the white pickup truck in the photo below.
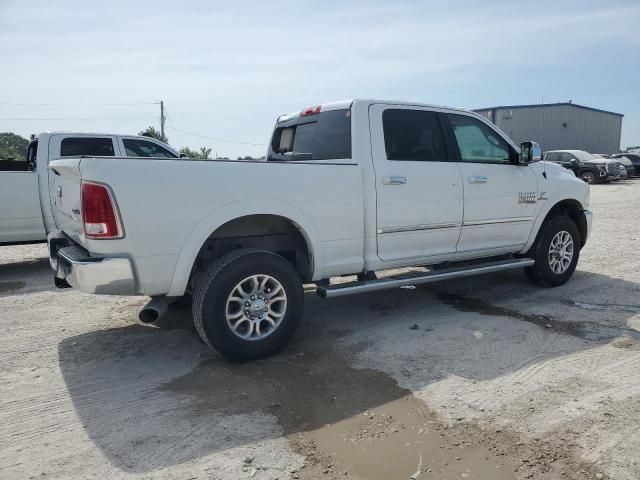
x=348, y=188
x=25, y=207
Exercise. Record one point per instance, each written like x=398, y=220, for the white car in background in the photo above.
x=25, y=205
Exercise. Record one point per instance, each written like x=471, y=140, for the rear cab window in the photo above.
x=317, y=136
x=87, y=146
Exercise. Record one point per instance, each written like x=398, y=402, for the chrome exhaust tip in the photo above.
x=154, y=310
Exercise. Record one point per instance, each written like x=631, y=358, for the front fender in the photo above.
x=231, y=211
x=544, y=210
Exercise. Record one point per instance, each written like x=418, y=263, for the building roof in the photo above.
x=538, y=105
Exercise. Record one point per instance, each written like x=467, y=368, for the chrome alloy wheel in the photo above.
x=256, y=306
x=560, y=252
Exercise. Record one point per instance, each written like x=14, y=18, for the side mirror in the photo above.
x=573, y=161
x=529, y=152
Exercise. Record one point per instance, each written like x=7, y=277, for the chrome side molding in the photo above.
x=414, y=228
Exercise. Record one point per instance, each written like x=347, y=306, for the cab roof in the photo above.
x=345, y=104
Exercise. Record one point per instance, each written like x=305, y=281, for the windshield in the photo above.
x=582, y=155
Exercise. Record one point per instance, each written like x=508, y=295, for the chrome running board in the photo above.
x=413, y=278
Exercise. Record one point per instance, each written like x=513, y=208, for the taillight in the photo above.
x=310, y=111
x=99, y=213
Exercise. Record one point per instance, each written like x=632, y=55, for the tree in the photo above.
x=203, y=154
x=13, y=146
x=153, y=133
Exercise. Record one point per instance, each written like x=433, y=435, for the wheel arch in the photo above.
x=267, y=218
x=569, y=207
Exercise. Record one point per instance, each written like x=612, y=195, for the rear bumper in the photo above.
x=102, y=275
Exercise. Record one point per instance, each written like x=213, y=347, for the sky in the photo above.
x=227, y=70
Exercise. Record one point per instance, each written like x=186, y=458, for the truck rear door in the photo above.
x=419, y=191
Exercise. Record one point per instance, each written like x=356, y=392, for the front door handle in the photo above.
x=394, y=180
x=478, y=179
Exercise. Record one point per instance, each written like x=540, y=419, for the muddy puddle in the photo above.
x=347, y=423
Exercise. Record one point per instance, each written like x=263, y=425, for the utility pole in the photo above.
x=162, y=119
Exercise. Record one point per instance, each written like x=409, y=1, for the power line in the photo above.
x=76, y=104
x=217, y=139
x=76, y=118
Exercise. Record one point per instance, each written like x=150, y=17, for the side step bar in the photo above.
x=401, y=280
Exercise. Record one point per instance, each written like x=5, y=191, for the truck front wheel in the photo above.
x=555, y=252
x=248, y=304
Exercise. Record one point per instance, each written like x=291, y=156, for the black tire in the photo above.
x=220, y=280
x=588, y=177
x=541, y=273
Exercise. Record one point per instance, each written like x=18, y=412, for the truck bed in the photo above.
x=169, y=207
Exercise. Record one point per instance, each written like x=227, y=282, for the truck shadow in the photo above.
x=151, y=398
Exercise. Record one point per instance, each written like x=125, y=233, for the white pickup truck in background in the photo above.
x=348, y=188
x=25, y=207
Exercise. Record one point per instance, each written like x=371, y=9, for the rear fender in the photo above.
x=232, y=211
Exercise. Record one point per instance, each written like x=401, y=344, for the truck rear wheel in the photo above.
x=556, y=252
x=248, y=304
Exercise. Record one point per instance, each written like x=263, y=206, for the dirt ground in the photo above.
x=486, y=378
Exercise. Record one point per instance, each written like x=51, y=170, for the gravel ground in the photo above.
x=485, y=378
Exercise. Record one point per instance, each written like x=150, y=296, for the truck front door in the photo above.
x=499, y=195
x=418, y=190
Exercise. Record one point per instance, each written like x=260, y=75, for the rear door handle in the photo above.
x=478, y=179
x=394, y=180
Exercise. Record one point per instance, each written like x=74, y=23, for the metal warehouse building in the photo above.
x=558, y=126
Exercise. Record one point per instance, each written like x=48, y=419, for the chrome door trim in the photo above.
x=415, y=228
x=499, y=220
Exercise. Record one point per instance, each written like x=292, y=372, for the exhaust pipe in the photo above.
x=154, y=310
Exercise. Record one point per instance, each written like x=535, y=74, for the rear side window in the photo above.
x=553, y=156
x=143, y=148
x=477, y=142
x=325, y=136
x=98, y=147
x=413, y=135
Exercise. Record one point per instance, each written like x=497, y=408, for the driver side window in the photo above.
x=477, y=142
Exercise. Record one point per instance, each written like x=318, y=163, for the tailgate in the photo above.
x=65, y=197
